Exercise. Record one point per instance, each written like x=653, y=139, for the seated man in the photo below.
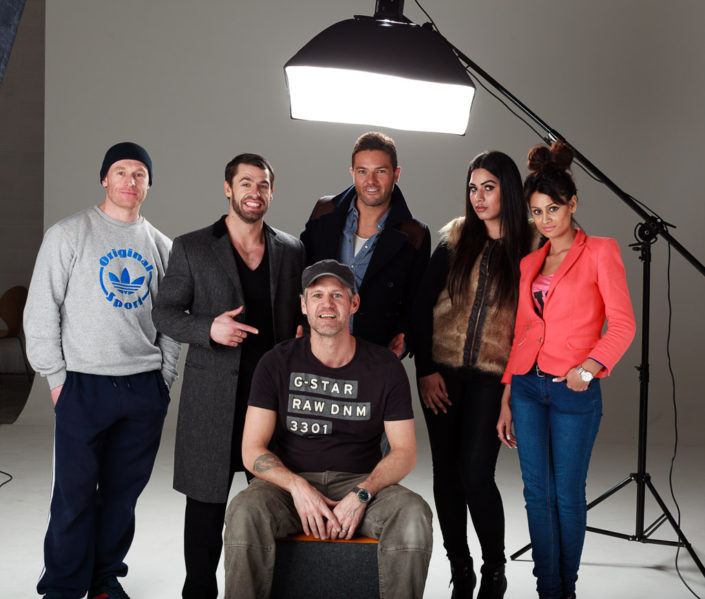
x=322, y=404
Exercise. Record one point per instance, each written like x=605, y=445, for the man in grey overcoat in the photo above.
x=231, y=292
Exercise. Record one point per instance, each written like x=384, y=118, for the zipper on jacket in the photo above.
x=478, y=313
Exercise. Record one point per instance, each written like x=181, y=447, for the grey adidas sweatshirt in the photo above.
x=90, y=300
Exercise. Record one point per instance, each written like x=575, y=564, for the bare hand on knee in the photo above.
x=313, y=508
x=349, y=512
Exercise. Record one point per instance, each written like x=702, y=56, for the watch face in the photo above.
x=363, y=495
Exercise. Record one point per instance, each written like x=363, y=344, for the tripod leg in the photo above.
x=684, y=542
x=521, y=551
x=612, y=491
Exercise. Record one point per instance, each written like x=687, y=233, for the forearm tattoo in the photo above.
x=266, y=461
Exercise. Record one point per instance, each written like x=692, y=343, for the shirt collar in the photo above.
x=353, y=216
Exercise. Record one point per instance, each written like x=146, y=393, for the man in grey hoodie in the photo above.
x=89, y=332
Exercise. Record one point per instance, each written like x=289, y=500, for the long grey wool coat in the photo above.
x=202, y=282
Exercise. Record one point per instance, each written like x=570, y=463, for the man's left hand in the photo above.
x=397, y=344
x=349, y=513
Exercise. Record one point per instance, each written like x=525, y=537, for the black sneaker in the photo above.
x=108, y=589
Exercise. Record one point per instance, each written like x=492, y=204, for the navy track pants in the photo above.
x=107, y=434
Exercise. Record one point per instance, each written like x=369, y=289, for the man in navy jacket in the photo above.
x=370, y=228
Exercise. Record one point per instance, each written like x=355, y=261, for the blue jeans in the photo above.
x=555, y=430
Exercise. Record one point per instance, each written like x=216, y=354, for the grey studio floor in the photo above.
x=611, y=568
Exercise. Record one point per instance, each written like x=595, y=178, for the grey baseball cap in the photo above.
x=328, y=268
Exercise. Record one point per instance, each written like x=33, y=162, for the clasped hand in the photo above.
x=317, y=517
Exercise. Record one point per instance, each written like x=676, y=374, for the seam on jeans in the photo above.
x=381, y=581
x=549, y=467
x=588, y=450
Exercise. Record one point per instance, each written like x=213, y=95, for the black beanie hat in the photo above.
x=126, y=151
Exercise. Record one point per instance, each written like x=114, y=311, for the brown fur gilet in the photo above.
x=472, y=333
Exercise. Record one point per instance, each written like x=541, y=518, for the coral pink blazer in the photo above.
x=589, y=286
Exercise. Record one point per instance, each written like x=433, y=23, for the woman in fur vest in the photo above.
x=464, y=319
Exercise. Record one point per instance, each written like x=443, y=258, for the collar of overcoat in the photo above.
x=223, y=250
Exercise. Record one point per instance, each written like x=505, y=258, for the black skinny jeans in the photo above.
x=464, y=448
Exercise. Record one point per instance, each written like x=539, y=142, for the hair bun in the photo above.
x=539, y=157
x=559, y=157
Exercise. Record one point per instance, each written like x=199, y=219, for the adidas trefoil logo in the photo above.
x=129, y=289
x=124, y=284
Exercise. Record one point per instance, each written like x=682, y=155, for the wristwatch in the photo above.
x=585, y=375
x=362, y=494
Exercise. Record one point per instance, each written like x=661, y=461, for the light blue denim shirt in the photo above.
x=358, y=263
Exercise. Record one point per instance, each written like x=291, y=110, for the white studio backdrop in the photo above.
x=197, y=83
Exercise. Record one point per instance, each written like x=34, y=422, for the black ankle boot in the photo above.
x=493, y=584
x=463, y=578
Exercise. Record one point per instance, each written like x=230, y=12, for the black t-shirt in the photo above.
x=258, y=311
x=330, y=418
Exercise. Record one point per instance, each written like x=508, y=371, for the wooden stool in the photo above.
x=308, y=568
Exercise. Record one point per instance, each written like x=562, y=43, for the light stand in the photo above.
x=647, y=233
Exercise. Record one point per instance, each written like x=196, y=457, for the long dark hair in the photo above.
x=516, y=233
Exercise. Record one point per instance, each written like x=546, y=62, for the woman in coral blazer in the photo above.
x=568, y=288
